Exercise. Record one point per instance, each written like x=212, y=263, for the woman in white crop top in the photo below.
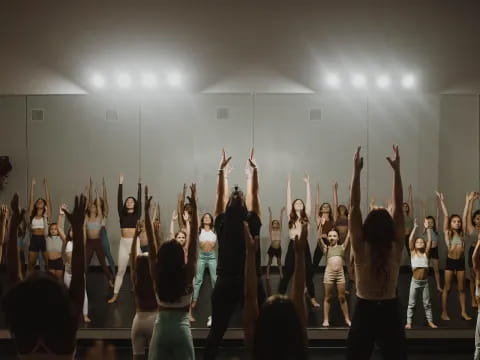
x=419, y=252
x=207, y=242
x=40, y=212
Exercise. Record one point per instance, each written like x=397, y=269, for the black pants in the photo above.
x=289, y=268
x=407, y=244
x=379, y=322
x=317, y=257
x=227, y=294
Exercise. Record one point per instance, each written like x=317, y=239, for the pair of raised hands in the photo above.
x=394, y=163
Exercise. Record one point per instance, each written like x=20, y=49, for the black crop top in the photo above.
x=129, y=220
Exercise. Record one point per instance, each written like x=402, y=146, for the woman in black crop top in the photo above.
x=129, y=212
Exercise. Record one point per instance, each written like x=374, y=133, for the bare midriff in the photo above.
x=207, y=246
x=127, y=232
x=455, y=252
x=335, y=263
x=420, y=273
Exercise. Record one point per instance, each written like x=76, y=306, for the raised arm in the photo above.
x=346, y=243
x=98, y=204
x=289, y=195
x=355, y=220
x=31, y=202
x=48, y=199
x=90, y=192
x=298, y=287
x=282, y=212
x=441, y=198
x=156, y=228
x=13, y=261
x=104, y=198
x=468, y=227
x=181, y=208
x=397, y=196
x=61, y=223
x=251, y=310
x=270, y=219
x=219, y=204
x=308, y=202
x=411, y=239
x=133, y=253
x=120, y=196
x=192, y=236
x=172, y=224
x=335, y=201
x=255, y=202
x=139, y=198
x=77, y=286
x=152, y=254
x=429, y=240
x=410, y=201
x=317, y=205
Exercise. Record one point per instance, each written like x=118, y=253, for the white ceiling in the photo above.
x=238, y=46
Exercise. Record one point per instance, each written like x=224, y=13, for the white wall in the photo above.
x=170, y=140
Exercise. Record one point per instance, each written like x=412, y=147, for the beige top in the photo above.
x=368, y=285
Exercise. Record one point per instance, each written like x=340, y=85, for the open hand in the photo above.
x=358, y=160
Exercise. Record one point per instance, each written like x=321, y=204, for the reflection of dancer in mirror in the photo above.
x=129, y=213
x=430, y=231
x=275, y=248
x=298, y=213
x=55, y=241
x=334, y=274
x=419, y=255
x=40, y=211
x=454, y=234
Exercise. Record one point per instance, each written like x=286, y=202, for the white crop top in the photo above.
x=419, y=261
x=207, y=236
x=182, y=303
x=37, y=223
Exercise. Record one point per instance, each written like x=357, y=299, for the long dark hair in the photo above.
x=434, y=228
x=143, y=280
x=452, y=231
x=202, y=223
x=135, y=207
x=293, y=214
x=379, y=232
x=278, y=331
x=330, y=213
x=346, y=209
x=171, y=272
x=34, y=210
x=477, y=212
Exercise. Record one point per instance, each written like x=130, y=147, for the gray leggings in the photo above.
x=142, y=329
x=417, y=286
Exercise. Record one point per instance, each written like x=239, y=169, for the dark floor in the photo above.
x=120, y=315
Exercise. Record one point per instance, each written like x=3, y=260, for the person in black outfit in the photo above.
x=229, y=287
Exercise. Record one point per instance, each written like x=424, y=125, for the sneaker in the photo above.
x=209, y=321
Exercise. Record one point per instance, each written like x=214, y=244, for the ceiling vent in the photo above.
x=315, y=114
x=223, y=113
x=111, y=115
x=37, y=114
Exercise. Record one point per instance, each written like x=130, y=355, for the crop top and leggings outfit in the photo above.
x=417, y=286
x=205, y=259
x=127, y=221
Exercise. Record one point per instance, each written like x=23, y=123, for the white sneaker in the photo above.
x=209, y=321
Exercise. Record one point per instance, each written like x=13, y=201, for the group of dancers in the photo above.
x=167, y=275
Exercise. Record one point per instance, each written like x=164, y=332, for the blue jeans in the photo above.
x=106, y=249
x=204, y=259
x=172, y=338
